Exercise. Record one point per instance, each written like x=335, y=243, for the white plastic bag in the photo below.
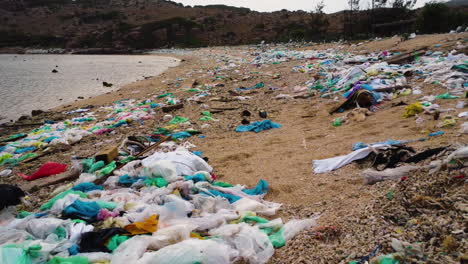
x=291, y=228
x=186, y=162
x=253, y=245
x=161, y=168
x=372, y=176
x=326, y=165
x=131, y=250
x=263, y=208
x=191, y=251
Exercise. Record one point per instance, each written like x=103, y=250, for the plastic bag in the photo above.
x=186, y=163
x=5, y=173
x=208, y=204
x=289, y=230
x=130, y=169
x=86, y=177
x=49, y=168
x=69, y=260
x=174, y=209
x=149, y=225
x=464, y=128
x=170, y=235
x=97, y=257
x=330, y=164
x=64, y=202
x=41, y=228
x=131, y=250
x=263, y=208
x=253, y=245
x=191, y=251
x=161, y=168
x=10, y=235
x=10, y=195
x=372, y=176
x=19, y=254
x=75, y=231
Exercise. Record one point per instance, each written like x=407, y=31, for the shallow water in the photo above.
x=27, y=81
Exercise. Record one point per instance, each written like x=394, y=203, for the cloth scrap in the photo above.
x=258, y=126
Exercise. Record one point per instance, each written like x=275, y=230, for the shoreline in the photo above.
x=81, y=91
x=124, y=91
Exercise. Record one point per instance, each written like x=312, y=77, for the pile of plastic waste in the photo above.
x=166, y=208
x=122, y=113
x=340, y=71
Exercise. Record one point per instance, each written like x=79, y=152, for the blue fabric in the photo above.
x=82, y=210
x=438, y=133
x=196, y=178
x=258, y=126
x=183, y=134
x=73, y=250
x=198, y=153
x=19, y=151
x=230, y=197
x=126, y=180
x=49, y=139
x=87, y=187
x=261, y=188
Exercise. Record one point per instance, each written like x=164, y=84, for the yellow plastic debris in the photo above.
x=413, y=109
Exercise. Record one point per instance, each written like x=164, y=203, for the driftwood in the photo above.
x=35, y=185
x=406, y=57
x=391, y=89
x=21, y=125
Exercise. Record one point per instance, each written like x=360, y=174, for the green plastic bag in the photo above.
x=337, y=122
x=277, y=239
x=178, y=120
x=206, y=116
x=115, y=242
x=70, y=260
x=19, y=254
x=107, y=169
x=97, y=166
x=158, y=182
x=87, y=163
x=256, y=219
x=222, y=184
x=59, y=196
x=164, y=95
x=5, y=157
x=447, y=96
x=106, y=205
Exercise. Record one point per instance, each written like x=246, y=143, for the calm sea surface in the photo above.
x=27, y=81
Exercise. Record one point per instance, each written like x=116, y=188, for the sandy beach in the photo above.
x=352, y=214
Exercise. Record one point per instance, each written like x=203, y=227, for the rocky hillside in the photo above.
x=143, y=24
x=124, y=25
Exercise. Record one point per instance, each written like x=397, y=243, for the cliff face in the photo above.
x=145, y=24
x=141, y=24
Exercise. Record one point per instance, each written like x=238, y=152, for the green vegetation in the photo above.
x=229, y=8
x=438, y=18
x=17, y=39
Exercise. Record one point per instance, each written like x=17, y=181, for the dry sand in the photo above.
x=283, y=157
